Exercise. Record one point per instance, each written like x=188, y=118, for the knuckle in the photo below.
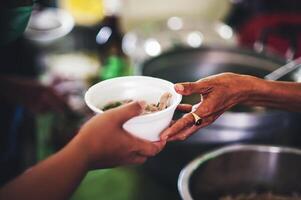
x=203, y=109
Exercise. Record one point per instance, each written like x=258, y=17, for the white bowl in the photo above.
x=145, y=88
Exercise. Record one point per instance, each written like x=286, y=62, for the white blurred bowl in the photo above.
x=145, y=88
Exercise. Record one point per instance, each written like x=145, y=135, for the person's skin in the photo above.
x=101, y=143
x=223, y=91
x=31, y=94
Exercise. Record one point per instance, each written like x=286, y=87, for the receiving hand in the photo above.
x=220, y=93
x=107, y=144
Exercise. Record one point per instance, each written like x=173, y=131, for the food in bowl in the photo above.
x=162, y=104
x=115, y=104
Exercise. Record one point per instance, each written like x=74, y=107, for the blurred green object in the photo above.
x=13, y=22
x=44, y=128
x=110, y=184
x=126, y=183
x=54, y=131
x=115, y=66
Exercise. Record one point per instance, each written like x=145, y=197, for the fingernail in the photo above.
x=164, y=137
x=179, y=87
x=142, y=104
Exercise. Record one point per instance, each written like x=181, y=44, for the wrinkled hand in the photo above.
x=107, y=144
x=220, y=93
x=33, y=95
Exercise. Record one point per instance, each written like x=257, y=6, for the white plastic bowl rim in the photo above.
x=150, y=116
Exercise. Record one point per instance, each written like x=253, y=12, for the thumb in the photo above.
x=189, y=88
x=130, y=110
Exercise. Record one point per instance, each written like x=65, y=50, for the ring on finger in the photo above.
x=197, y=119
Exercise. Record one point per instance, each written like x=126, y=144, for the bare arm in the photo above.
x=275, y=94
x=101, y=143
x=222, y=92
x=54, y=178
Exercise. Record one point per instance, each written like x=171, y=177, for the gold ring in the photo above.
x=197, y=119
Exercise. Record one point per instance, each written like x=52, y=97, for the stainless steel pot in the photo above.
x=240, y=123
x=242, y=169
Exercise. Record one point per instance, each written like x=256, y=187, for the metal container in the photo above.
x=242, y=169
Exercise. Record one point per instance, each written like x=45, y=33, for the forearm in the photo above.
x=55, y=178
x=274, y=94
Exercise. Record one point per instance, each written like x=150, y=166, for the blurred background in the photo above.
x=68, y=45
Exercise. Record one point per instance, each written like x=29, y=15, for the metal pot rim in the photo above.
x=233, y=50
x=186, y=172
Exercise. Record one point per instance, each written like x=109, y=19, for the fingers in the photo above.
x=188, y=131
x=128, y=111
x=184, y=107
x=183, y=135
x=146, y=150
x=204, y=110
x=150, y=149
x=183, y=123
x=160, y=145
x=186, y=88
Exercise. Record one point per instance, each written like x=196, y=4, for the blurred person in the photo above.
x=17, y=85
x=223, y=91
x=20, y=94
x=101, y=143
